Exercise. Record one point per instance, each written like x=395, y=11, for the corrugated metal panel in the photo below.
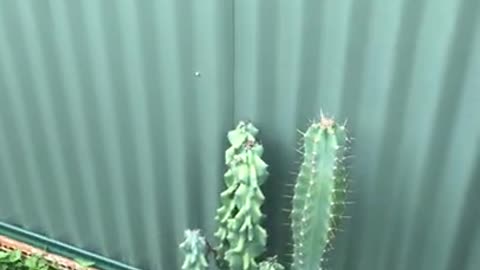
x=405, y=74
x=109, y=141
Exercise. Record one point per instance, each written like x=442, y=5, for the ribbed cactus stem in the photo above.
x=240, y=232
x=194, y=248
x=319, y=193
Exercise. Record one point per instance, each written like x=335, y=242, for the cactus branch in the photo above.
x=242, y=238
x=195, y=250
x=319, y=193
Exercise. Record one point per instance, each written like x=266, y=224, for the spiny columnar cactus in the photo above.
x=194, y=248
x=319, y=193
x=242, y=237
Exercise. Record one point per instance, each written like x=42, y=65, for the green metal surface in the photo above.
x=109, y=141
x=113, y=118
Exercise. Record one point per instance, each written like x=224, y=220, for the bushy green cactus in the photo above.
x=240, y=232
x=195, y=250
x=319, y=193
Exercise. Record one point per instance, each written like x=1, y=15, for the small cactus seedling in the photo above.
x=240, y=232
x=195, y=250
x=271, y=264
x=319, y=193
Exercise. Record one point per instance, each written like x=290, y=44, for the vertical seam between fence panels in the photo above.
x=234, y=90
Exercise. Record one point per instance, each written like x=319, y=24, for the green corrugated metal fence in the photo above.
x=113, y=117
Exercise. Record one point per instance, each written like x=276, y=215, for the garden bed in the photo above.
x=8, y=244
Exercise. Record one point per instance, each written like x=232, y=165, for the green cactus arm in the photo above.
x=246, y=237
x=195, y=249
x=319, y=193
x=242, y=238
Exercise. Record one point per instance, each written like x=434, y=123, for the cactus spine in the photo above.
x=319, y=193
x=195, y=250
x=242, y=238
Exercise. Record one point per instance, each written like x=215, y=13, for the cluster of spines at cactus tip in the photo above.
x=242, y=238
x=194, y=248
x=319, y=193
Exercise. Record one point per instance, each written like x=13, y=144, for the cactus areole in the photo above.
x=319, y=193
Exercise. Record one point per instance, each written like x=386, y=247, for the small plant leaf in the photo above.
x=31, y=262
x=4, y=255
x=84, y=263
x=15, y=256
